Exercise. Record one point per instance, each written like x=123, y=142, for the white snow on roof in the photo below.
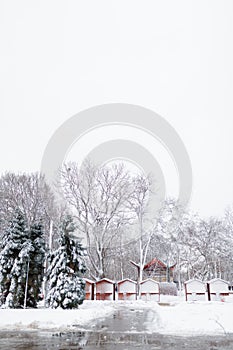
x=126, y=279
x=89, y=281
x=149, y=280
x=214, y=280
x=194, y=280
x=105, y=280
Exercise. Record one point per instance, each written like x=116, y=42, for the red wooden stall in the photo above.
x=150, y=290
x=89, y=289
x=127, y=289
x=195, y=290
x=105, y=289
x=217, y=289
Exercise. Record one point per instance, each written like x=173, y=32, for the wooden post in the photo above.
x=208, y=292
x=114, y=292
x=186, y=296
x=93, y=291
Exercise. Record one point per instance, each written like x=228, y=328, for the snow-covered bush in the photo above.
x=68, y=293
x=168, y=288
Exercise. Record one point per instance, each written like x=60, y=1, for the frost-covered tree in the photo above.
x=13, y=262
x=213, y=246
x=21, y=263
x=66, y=288
x=33, y=196
x=98, y=196
x=35, y=268
x=138, y=203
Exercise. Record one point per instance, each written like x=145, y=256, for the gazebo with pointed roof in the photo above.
x=159, y=270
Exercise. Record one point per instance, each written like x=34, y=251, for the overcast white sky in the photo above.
x=174, y=57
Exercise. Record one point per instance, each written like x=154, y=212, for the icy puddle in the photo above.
x=126, y=329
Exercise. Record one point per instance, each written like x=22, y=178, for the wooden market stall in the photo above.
x=195, y=290
x=127, y=289
x=150, y=290
x=217, y=289
x=89, y=289
x=105, y=289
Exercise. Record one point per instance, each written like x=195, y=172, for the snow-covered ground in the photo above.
x=172, y=316
x=42, y=318
x=197, y=318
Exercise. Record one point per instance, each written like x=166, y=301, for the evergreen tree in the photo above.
x=13, y=262
x=21, y=263
x=36, y=258
x=66, y=288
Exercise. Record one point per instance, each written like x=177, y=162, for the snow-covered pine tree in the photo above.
x=36, y=264
x=13, y=262
x=66, y=288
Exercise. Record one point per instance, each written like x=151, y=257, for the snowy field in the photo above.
x=171, y=316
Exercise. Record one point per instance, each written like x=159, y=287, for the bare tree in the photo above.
x=214, y=245
x=228, y=223
x=138, y=204
x=98, y=197
x=173, y=240
x=205, y=249
x=29, y=193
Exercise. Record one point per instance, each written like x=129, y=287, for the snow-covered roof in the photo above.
x=89, y=281
x=158, y=264
x=126, y=279
x=149, y=279
x=194, y=280
x=218, y=280
x=105, y=280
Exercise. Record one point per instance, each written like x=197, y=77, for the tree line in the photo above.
x=96, y=222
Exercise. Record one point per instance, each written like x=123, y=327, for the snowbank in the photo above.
x=172, y=316
x=87, y=313
x=197, y=318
